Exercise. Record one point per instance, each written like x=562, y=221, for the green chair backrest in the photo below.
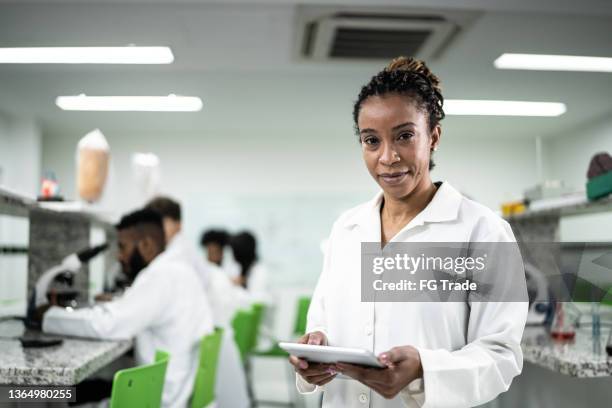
x=246, y=329
x=258, y=311
x=204, y=385
x=140, y=386
x=302, y=314
x=243, y=324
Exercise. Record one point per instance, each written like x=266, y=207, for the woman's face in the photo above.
x=396, y=143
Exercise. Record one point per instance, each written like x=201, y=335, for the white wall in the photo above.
x=20, y=154
x=568, y=157
x=20, y=158
x=285, y=161
x=287, y=185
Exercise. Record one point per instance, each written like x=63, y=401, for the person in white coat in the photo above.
x=436, y=354
x=253, y=275
x=164, y=309
x=225, y=299
x=214, y=242
x=176, y=242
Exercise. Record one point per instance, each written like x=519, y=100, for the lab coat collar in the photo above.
x=175, y=242
x=160, y=258
x=443, y=207
x=445, y=204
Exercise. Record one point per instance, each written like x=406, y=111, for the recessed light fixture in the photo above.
x=170, y=103
x=543, y=62
x=87, y=55
x=502, y=108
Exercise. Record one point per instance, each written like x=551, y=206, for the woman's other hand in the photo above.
x=403, y=365
x=313, y=373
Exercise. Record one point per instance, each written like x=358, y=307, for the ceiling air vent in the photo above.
x=362, y=37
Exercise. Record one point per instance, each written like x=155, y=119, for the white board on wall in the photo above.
x=289, y=227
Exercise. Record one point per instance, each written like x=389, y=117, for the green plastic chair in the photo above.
x=140, y=386
x=258, y=312
x=302, y=313
x=244, y=323
x=275, y=351
x=246, y=331
x=299, y=329
x=204, y=385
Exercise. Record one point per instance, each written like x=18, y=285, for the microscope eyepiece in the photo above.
x=86, y=254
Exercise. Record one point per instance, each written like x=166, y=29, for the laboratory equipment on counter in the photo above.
x=62, y=274
x=563, y=327
x=547, y=189
x=609, y=344
x=596, y=327
x=513, y=208
x=600, y=176
x=541, y=305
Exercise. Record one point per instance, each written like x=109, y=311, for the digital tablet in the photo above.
x=329, y=354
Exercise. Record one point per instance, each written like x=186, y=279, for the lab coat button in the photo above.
x=363, y=398
x=368, y=330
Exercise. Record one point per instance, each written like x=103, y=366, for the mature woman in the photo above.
x=437, y=354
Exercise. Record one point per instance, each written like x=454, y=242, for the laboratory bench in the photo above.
x=560, y=374
x=54, y=230
x=68, y=363
x=581, y=357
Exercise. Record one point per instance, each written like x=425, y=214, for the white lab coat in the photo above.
x=257, y=284
x=229, y=265
x=469, y=352
x=181, y=248
x=164, y=309
x=225, y=299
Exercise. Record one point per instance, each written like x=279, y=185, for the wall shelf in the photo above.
x=586, y=207
x=55, y=230
x=16, y=205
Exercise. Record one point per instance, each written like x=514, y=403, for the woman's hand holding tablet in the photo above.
x=388, y=374
x=313, y=373
x=403, y=366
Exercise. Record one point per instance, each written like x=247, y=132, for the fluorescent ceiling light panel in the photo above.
x=87, y=55
x=502, y=108
x=170, y=103
x=542, y=62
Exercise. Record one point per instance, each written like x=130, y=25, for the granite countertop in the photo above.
x=577, y=358
x=66, y=364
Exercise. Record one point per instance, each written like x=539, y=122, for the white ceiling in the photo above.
x=240, y=58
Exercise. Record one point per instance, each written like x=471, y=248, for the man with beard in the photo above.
x=225, y=299
x=164, y=309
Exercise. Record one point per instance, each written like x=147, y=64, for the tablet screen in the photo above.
x=330, y=354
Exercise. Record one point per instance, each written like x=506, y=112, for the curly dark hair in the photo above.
x=145, y=222
x=406, y=76
x=214, y=236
